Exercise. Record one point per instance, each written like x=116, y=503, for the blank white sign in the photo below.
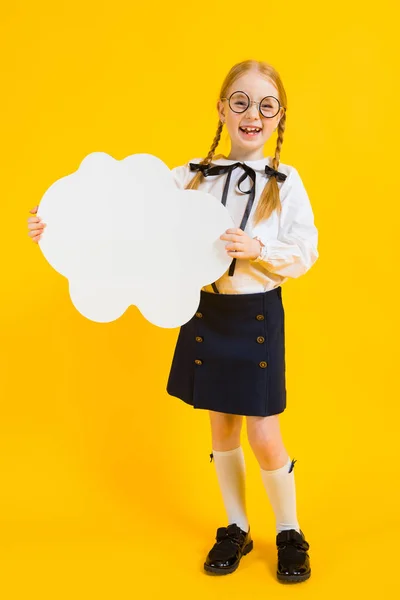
x=122, y=233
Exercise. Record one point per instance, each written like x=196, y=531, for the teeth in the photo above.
x=251, y=128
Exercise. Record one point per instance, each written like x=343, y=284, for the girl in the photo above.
x=230, y=357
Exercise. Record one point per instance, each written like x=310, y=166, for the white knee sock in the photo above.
x=281, y=490
x=230, y=468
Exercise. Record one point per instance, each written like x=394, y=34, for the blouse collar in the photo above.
x=257, y=165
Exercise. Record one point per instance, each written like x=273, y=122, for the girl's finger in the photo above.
x=236, y=246
x=33, y=224
x=237, y=238
x=35, y=232
x=36, y=238
x=34, y=219
x=230, y=237
x=34, y=209
x=36, y=226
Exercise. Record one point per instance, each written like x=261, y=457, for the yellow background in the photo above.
x=106, y=485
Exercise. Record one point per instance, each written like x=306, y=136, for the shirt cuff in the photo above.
x=263, y=256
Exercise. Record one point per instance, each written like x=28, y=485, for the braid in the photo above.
x=269, y=198
x=214, y=145
x=194, y=182
x=279, y=141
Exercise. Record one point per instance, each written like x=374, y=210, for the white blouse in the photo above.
x=290, y=238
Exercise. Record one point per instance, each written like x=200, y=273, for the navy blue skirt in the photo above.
x=230, y=356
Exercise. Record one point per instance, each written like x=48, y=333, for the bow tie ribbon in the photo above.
x=273, y=173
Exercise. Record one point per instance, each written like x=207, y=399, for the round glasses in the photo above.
x=239, y=102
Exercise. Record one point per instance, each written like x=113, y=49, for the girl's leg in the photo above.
x=225, y=430
x=230, y=465
x=276, y=468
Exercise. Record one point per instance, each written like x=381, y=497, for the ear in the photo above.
x=221, y=110
x=278, y=118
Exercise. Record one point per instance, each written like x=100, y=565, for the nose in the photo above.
x=252, y=110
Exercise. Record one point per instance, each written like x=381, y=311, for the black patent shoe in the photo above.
x=232, y=543
x=293, y=560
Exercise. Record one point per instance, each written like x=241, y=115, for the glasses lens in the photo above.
x=269, y=106
x=239, y=102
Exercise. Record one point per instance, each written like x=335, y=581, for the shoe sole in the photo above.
x=218, y=571
x=293, y=578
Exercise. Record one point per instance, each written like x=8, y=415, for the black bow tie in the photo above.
x=273, y=173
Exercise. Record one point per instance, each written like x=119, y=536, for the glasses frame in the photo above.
x=250, y=102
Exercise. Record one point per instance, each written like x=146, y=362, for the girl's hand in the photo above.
x=35, y=226
x=245, y=246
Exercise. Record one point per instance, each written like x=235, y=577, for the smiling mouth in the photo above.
x=250, y=131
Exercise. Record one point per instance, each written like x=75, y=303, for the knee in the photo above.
x=264, y=432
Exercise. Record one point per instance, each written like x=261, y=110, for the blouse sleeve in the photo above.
x=295, y=250
x=181, y=175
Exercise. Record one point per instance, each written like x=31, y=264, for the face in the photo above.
x=249, y=145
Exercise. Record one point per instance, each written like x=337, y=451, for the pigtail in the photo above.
x=269, y=198
x=196, y=180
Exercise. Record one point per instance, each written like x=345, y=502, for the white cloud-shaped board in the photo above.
x=123, y=233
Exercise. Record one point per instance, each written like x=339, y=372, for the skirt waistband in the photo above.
x=238, y=300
